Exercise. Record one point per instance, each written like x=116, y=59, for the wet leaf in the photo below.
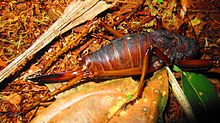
x=88, y=102
x=98, y=102
x=200, y=93
x=148, y=109
x=180, y=96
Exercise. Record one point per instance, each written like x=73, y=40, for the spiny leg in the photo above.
x=141, y=84
x=198, y=63
x=55, y=92
x=64, y=49
x=161, y=55
x=145, y=68
x=143, y=74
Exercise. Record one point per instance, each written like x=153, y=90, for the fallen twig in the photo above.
x=75, y=14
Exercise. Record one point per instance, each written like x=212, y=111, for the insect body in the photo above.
x=128, y=52
x=135, y=54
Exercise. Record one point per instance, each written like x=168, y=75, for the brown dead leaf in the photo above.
x=87, y=104
x=146, y=109
x=13, y=98
x=33, y=69
x=98, y=102
x=2, y=63
x=183, y=11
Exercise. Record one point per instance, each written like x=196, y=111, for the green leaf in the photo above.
x=162, y=106
x=160, y=1
x=195, y=21
x=176, y=68
x=199, y=92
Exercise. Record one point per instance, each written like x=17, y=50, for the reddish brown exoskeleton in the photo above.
x=135, y=54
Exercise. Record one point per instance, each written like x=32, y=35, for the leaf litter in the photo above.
x=22, y=22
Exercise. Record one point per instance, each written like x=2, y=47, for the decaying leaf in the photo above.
x=2, y=63
x=180, y=96
x=195, y=21
x=148, y=108
x=183, y=11
x=73, y=15
x=89, y=104
x=99, y=101
x=13, y=99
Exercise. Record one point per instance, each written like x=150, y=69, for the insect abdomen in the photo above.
x=123, y=53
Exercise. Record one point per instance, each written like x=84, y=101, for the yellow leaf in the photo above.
x=195, y=21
